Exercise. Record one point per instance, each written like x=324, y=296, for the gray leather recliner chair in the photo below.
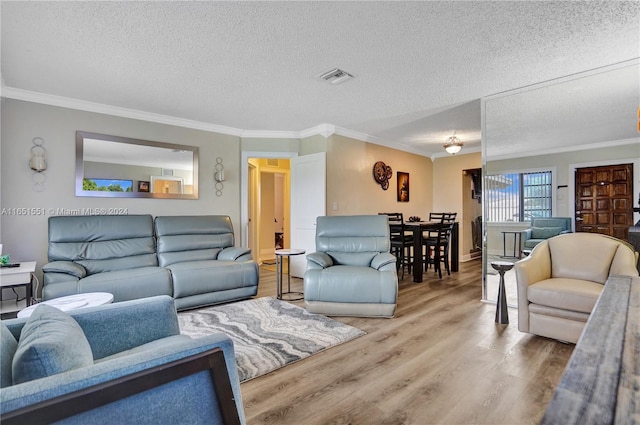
x=352, y=272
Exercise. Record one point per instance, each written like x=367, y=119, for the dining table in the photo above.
x=418, y=228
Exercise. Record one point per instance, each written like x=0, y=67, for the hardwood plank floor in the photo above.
x=441, y=360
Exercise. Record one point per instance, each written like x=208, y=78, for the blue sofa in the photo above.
x=116, y=364
x=191, y=258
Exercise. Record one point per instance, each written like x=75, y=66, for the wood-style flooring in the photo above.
x=441, y=360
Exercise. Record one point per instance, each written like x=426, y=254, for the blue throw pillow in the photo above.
x=8, y=346
x=51, y=342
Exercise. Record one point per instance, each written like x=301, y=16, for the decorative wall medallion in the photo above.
x=381, y=174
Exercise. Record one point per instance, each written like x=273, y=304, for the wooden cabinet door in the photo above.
x=604, y=200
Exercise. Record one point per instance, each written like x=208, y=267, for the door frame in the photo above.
x=244, y=187
x=572, y=182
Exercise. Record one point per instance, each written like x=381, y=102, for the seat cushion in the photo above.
x=531, y=243
x=129, y=284
x=203, y=277
x=568, y=294
x=351, y=284
x=51, y=342
x=545, y=232
x=8, y=346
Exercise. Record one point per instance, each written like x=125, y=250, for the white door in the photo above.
x=308, y=201
x=253, y=213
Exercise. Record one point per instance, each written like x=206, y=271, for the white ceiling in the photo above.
x=249, y=68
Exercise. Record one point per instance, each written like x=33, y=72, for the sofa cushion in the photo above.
x=129, y=284
x=531, y=243
x=8, y=346
x=51, y=342
x=203, y=277
x=568, y=294
x=192, y=238
x=366, y=285
x=103, y=243
x=545, y=232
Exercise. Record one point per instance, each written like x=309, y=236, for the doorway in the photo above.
x=269, y=206
x=604, y=200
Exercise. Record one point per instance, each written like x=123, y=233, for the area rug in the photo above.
x=267, y=333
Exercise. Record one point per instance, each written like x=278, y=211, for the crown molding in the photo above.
x=100, y=108
x=324, y=130
x=597, y=145
x=269, y=134
x=357, y=135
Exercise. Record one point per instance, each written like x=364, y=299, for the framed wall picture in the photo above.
x=403, y=187
x=143, y=186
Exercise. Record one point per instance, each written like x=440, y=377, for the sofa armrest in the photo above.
x=195, y=394
x=319, y=260
x=532, y=269
x=65, y=267
x=380, y=261
x=525, y=235
x=535, y=267
x=234, y=254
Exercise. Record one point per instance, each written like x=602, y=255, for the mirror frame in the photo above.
x=81, y=135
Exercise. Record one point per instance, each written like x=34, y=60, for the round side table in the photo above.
x=280, y=253
x=72, y=302
x=502, y=315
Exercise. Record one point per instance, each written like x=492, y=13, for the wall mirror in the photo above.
x=589, y=117
x=120, y=167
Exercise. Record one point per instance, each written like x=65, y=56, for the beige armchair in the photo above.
x=560, y=282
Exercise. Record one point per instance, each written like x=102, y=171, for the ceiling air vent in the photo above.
x=335, y=76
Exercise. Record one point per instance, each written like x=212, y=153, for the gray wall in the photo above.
x=23, y=223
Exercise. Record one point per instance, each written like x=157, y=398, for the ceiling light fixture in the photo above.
x=453, y=145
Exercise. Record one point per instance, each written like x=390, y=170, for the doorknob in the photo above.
x=579, y=219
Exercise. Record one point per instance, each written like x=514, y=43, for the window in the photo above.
x=518, y=196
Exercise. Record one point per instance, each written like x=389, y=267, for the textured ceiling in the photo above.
x=420, y=67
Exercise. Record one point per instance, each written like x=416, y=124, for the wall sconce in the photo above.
x=38, y=163
x=218, y=176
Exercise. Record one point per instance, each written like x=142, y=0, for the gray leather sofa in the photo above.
x=352, y=272
x=191, y=258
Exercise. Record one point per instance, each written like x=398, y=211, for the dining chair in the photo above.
x=437, y=242
x=401, y=241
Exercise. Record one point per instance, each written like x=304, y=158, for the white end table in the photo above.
x=72, y=302
x=286, y=253
x=11, y=277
